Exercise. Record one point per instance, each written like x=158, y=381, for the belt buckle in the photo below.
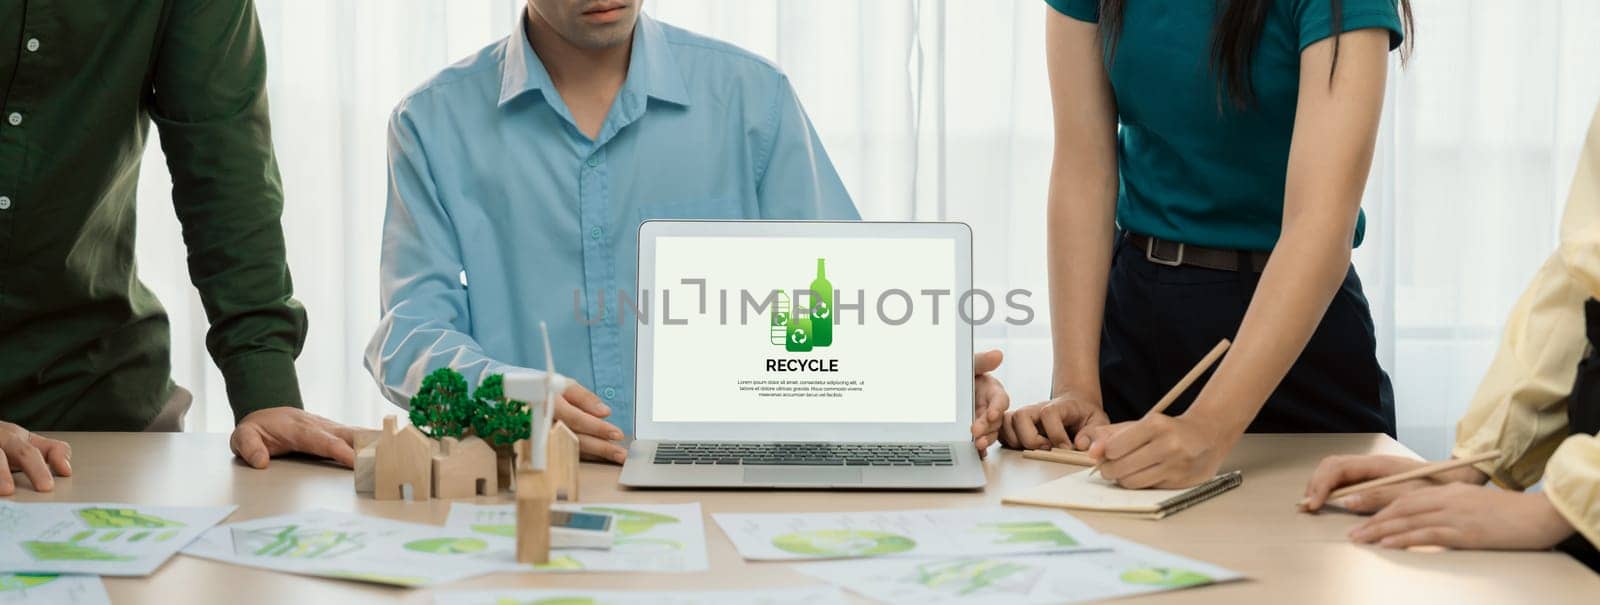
x=1150, y=254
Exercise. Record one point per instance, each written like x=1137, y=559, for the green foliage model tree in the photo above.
x=499, y=421
x=441, y=408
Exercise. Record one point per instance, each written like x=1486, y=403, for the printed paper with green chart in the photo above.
x=649, y=537
x=1125, y=569
x=349, y=546
x=105, y=539
x=920, y=533
x=810, y=595
x=53, y=589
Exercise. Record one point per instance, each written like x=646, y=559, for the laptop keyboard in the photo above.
x=804, y=454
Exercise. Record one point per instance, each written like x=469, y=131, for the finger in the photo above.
x=1335, y=472
x=30, y=461
x=1135, y=435
x=1415, y=503
x=601, y=449
x=57, y=454
x=1373, y=500
x=987, y=361
x=584, y=423
x=1097, y=434
x=8, y=485
x=320, y=442
x=1369, y=532
x=585, y=400
x=248, y=446
x=1144, y=478
x=1054, y=427
x=1008, y=435
x=343, y=432
x=1149, y=455
x=1427, y=536
x=1027, y=430
x=999, y=402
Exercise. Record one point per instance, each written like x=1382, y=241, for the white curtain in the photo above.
x=939, y=110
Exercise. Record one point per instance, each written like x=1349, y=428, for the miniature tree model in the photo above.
x=498, y=420
x=441, y=408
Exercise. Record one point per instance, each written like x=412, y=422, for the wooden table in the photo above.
x=1290, y=557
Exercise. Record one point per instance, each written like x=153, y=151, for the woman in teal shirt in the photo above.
x=1209, y=164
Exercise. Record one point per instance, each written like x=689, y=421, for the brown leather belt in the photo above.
x=1176, y=254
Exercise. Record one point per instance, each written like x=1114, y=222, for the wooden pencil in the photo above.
x=1416, y=473
x=1061, y=454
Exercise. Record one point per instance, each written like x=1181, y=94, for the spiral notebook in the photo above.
x=1087, y=490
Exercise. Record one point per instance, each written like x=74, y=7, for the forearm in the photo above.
x=1305, y=271
x=1080, y=230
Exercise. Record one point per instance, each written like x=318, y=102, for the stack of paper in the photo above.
x=910, y=533
x=997, y=555
x=40, y=540
x=1087, y=490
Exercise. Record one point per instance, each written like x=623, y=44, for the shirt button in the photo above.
x=5, y=203
x=594, y=161
x=15, y=119
x=33, y=45
x=610, y=392
x=595, y=233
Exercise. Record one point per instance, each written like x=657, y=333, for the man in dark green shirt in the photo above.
x=83, y=344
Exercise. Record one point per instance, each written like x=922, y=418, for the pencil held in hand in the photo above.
x=1416, y=473
x=1183, y=385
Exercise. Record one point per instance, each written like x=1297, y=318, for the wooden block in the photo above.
x=533, y=512
x=404, y=463
x=562, y=462
x=366, y=460
x=1062, y=455
x=465, y=468
x=365, y=438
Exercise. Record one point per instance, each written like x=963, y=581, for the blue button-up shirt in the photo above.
x=502, y=213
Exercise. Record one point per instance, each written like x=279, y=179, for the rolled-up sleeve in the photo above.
x=210, y=106
x=426, y=321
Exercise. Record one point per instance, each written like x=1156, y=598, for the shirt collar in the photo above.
x=652, y=69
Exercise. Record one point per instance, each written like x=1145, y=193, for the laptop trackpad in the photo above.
x=778, y=474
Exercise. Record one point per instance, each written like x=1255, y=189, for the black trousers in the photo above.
x=1160, y=320
x=1583, y=416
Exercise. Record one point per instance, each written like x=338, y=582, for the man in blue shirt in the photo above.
x=519, y=177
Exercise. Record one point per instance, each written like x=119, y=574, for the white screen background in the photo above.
x=908, y=371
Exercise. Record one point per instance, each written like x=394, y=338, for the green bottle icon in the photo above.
x=799, y=338
x=821, y=308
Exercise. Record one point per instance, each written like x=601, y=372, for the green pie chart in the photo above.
x=447, y=546
x=23, y=581
x=1165, y=577
x=843, y=543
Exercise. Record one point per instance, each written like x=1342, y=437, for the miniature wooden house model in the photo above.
x=403, y=463
x=465, y=468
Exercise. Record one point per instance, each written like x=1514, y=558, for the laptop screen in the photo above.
x=804, y=330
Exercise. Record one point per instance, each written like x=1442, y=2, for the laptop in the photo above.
x=804, y=354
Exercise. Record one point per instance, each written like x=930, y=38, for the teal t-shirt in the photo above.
x=1192, y=172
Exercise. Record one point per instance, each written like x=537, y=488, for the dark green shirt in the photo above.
x=83, y=344
x=1193, y=172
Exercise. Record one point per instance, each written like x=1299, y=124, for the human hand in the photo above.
x=268, y=433
x=1053, y=423
x=1335, y=472
x=1160, y=451
x=1461, y=515
x=989, y=400
x=583, y=411
x=36, y=457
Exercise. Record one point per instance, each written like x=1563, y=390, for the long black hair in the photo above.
x=1234, y=38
